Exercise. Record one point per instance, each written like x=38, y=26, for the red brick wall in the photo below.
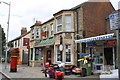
x=94, y=14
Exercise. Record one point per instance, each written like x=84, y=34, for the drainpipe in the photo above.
x=78, y=45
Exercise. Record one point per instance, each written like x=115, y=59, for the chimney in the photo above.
x=23, y=30
x=38, y=22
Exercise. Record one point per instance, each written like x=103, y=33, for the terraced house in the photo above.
x=53, y=40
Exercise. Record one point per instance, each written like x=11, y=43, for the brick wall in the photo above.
x=94, y=14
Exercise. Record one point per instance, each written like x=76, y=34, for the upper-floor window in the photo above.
x=18, y=43
x=68, y=22
x=37, y=33
x=32, y=34
x=51, y=29
x=44, y=33
x=59, y=24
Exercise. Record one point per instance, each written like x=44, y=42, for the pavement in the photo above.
x=26, y=72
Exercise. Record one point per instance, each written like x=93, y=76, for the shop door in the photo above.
x=48, y=56
x=108, y=52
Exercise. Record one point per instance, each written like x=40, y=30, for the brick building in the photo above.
x=66, y=26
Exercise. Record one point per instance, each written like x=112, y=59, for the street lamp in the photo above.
x=9, y=4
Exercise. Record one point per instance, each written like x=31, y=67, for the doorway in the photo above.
x=48, y=56
x=108, y=53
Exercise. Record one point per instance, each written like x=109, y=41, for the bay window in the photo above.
x=68, y=22
x=58, y=54
x=59, y=24
x=68, y=53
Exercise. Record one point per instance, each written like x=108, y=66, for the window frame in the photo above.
x=66, y=23
x=58, y=25
x=70, y=53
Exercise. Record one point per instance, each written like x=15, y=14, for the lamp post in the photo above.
x=9, y=4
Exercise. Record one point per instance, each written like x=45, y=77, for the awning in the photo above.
x=102, y=37
x=47, y=42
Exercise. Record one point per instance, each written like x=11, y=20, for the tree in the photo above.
x=3, y=41
x=10, y=44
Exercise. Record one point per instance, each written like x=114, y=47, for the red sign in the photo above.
x=43, y=33
x=26, y=41
x=111, y=42
x=28, y=47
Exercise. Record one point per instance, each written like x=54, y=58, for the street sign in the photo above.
x=114, y=21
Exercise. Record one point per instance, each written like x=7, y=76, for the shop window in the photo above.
x=31, y=53
x=59, y=55
x=36, y=54
x=68, y=53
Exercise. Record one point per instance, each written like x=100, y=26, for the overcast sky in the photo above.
x=25, y=12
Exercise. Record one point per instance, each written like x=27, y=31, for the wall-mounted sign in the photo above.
x=43, y=33
x=114, y=21
x=111, y=42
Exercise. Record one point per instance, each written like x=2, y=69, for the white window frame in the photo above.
x=44, y=30
x=38, y=31
x=51, y=30
x=68, y=23
x=67, y=52
x=32, y=34
x=57, y=46
x=57, y=25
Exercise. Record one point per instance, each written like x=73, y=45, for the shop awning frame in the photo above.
x=47, y=42
x=102, y=37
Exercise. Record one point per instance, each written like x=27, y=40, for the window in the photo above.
x=18, y=43
x=59, y=54
x=15, y=44
x=32, y=34
x=45, y=32
x=68, y=22
x=51, y=29
x=59, y=24
x=37, y=54
x=68, y=53
x=37, y=33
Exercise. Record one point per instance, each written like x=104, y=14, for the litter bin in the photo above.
x=86, y=69
x=13, y=64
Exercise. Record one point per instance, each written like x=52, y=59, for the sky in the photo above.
x=24, y=13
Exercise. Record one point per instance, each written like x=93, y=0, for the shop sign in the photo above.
x=91, y=44
x=43, y=33
x=111, y=42
x=102, y=37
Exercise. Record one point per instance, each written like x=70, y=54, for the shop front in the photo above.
x=102, y=49
x=44, y=51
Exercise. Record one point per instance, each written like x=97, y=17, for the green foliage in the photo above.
x=10, y=44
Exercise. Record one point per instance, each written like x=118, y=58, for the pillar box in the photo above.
x=13, y=64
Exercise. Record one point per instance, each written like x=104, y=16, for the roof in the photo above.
x=20, y=36
x=47, y=42
x=62, y=11
x=42, y=23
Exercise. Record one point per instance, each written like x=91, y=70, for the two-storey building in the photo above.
x=66, y=26
x=20, y=46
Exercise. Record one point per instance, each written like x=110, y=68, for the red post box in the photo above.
x=13, y=64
